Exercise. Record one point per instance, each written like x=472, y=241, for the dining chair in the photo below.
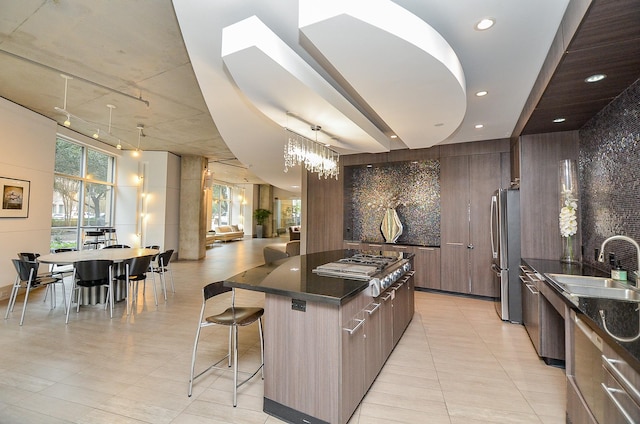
x=233, y=317
x=163, y=266
x=135, y=270
x=91, y=274
x=31, y=256
x=27, y=277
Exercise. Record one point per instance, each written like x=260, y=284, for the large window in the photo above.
x=82, y=192
x=226, y=205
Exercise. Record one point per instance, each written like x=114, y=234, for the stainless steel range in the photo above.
x=381, y=271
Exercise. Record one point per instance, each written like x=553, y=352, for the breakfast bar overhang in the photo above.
x=327, y=338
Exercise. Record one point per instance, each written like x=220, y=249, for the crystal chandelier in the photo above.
x=315, y=156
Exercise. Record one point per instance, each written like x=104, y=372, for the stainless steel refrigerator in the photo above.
x=505, y=246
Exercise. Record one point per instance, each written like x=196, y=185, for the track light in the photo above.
x=96, y=134
x=67, y=123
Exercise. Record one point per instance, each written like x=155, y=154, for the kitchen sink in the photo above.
x=585, y=286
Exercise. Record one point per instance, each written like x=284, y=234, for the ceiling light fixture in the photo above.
x=67, y=122
x=478, y=126
x=96, y=134
x=595, y=78
x=485, y=24
x=316, y=158
x=482, y=93
x=559, y=120
x=140, y=134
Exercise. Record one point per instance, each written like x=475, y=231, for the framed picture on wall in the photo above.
x=15, y=198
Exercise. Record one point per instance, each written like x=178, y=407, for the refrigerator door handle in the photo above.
x=494, y=205
x=495, y=269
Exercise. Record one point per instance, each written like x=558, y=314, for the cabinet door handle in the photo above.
x=532, y=289
x=375, y=308
x=454, y=244
x=375, y=245
x=610, y=391
x=624, y=381
x=387, y=297
x=354, y=329
x=426, y=248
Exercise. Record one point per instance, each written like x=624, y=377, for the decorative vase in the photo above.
x=568, y=217
x=391, y=227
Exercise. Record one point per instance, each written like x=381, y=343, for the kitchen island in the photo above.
x=326, y=338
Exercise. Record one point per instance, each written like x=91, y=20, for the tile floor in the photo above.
x=457, y=362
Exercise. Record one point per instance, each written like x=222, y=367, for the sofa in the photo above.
x=224, y=233
x=275, y=251
x=294, y=232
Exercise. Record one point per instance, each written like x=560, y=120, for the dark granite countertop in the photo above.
x=622, y=317
x=293, y=277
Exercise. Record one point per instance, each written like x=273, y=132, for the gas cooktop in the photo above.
x=358, y=267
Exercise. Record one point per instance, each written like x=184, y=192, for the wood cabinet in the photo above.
x=545, y=324
x=467, y=183
x=427, y=267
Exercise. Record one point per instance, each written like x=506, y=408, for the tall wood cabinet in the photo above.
x=467, y=183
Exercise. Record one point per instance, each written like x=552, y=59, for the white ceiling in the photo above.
x=198, y=105
x=369, y=67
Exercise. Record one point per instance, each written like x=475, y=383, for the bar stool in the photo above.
x=98, y=239
x=232, y=317
x=110, y=235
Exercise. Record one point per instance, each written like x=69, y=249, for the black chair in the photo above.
x=233, y=317
x=27, y=277
x=136, y=270
x=30, y=257
x=163, y=261
x=91, y=274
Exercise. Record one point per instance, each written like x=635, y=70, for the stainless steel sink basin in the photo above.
x=580, y=280
x=606, y=288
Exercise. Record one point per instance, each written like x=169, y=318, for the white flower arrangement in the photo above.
x=389, y=202
x=568, y=214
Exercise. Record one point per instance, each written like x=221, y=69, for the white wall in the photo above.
x=28, y=143
x=161, y=187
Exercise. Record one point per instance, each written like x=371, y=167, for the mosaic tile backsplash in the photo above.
x=609, y=167
x=413, y=188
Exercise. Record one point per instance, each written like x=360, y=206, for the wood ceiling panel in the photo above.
x=607, y=22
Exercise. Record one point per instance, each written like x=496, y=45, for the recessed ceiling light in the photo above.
x=369, y=166
x=558, y=120
x=478, y=126
x=394, y=136
x=595, y=78
x=484, y=24
x=482, y=93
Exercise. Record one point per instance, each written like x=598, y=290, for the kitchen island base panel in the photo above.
x=302, y=357
x=287, y=414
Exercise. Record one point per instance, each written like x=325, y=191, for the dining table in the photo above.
x=115, y=255
x=97, y=294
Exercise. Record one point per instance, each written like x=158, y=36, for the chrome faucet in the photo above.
x=630, y=240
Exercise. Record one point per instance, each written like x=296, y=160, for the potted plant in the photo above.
x=260, y=216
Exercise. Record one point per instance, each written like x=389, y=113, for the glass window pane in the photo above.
x=99, y=166
x=64, y=213
x=97, y=205
x=68, y=158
